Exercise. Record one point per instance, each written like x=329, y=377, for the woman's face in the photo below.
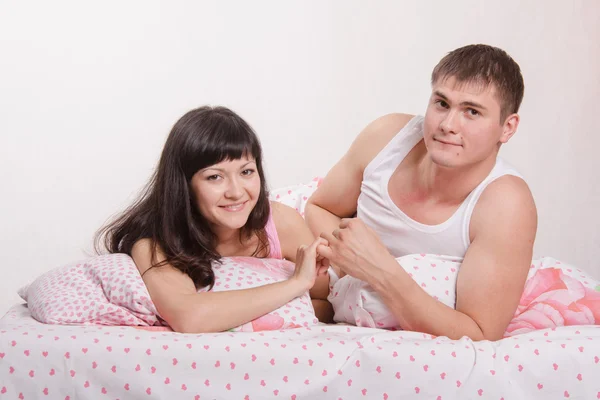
x=226, y=193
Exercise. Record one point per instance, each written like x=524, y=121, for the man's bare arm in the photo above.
x=337, y=196
x=490, y=280
x=491, y=277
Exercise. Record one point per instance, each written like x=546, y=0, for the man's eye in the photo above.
x=441, y=103
x=473, y=112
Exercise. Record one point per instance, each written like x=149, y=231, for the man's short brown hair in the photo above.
x=486, y=65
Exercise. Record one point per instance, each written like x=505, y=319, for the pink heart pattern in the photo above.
x=554, y=295
x=296, y=196
x=103, y=290
x=249, y=272
x=354, y=301
x=318, y=362
x=108, y=290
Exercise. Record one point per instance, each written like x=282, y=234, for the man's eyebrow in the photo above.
x=464, y=103
x=440, y=94
x=473, y=104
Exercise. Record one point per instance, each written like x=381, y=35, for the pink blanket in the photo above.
x=555, y=295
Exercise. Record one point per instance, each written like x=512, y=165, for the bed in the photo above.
x=323, y=362
x=76, y=357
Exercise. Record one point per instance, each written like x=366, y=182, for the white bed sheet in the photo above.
x=40, y=361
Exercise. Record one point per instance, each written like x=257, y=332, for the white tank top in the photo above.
x=401, y=234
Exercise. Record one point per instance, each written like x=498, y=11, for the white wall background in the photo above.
x=89, y=91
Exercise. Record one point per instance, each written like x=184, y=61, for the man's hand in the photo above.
x=356, y=250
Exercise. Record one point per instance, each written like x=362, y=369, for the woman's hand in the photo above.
x=309, y=264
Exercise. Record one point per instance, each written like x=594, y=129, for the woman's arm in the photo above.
x=185, y=310
x=293, y=232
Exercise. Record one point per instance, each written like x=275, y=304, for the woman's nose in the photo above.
x=234, y=189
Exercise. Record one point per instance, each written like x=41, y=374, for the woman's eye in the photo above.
x=212, y=177
x=247, y=172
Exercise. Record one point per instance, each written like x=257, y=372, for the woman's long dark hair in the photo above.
x=166, y=212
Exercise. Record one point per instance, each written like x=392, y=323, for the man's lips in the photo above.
x=447, y=142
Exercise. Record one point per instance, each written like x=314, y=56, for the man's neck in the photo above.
x=450, y=185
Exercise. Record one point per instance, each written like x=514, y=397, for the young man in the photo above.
x=435, y=184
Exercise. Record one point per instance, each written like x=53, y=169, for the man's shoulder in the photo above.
x=386, y=127
x=377, y=135
x=284, y=216
x=507, y=200
x=392, y=121
x=507, y=187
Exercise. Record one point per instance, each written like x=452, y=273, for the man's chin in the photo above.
x=445, y=162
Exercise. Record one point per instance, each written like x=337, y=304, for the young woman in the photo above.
x=208, y=199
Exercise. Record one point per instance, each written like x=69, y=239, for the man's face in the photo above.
x=462, y=123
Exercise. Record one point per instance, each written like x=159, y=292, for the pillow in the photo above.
x=555, y=294
x=108, y=290
x=296, y=196
x=355, y=302
x=103, y=290
x=236, y=273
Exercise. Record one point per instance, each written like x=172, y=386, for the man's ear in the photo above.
x=509, y=127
